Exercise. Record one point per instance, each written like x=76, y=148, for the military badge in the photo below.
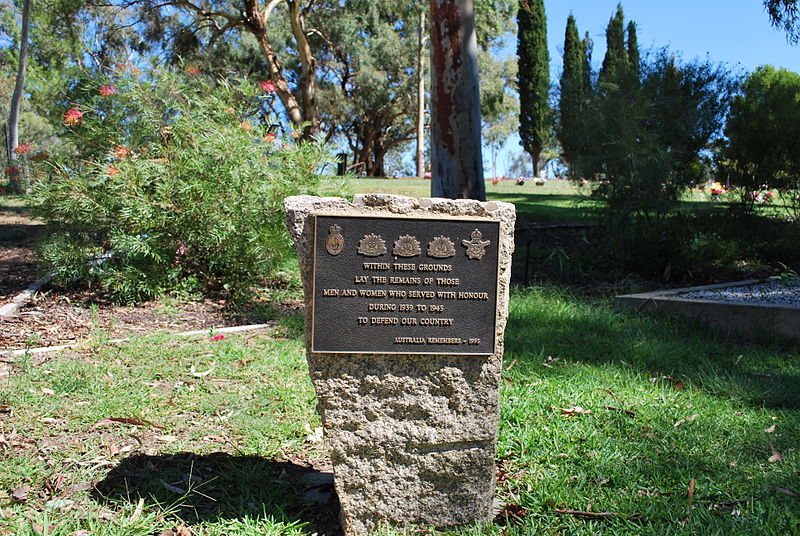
x=476, y=248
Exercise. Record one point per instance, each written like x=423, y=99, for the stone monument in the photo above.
x=406, y=303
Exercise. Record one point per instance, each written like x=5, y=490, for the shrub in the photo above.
x=177, y=185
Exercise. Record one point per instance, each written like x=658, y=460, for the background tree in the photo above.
x=632, y=45
x=763, y=137
x=533, y=79
x=456, y=157
x=499, y=103
x=572, y=94
x=615, y=62
x=16, y=101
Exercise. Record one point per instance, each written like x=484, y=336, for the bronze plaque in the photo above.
x=398, y=285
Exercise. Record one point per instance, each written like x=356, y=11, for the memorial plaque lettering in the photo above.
x=401, y=285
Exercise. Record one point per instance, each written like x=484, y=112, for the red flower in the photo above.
x=193, y=70
x=107, y=91
x=23, y=148
x=12, y=170
x=269, y=86
x=217, y=337
x=121, y=152
x=112, y=171
x=73, y=116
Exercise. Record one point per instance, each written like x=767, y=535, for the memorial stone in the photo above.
x=406, y=303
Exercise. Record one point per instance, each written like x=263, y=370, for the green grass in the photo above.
x=556, y=201
x=669, y=403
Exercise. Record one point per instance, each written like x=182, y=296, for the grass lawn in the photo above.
x=672, y=427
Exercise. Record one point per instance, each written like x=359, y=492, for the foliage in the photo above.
x=178, y=184
x=763, y=137
x=632, y=50
x=644, y=144
x=785, y=15
x=533, y=79
x=615, y=62
x=572, y=91
x=499, y=104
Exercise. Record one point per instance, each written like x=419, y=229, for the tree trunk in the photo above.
x=16, y=101
x=456, y=122
x=304, y=111
x=421, y=97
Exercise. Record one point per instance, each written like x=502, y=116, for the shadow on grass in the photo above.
x=218, y=486
x=532, y=206
x=764, y=372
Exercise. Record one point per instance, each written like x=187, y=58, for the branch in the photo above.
x=268, y=10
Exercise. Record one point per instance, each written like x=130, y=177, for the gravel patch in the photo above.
x=773, y=292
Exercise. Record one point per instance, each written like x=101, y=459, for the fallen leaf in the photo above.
x=571, y=411
x=5, y=409
x=48, y=391
x=691, y=489
x=21, y=494
x=678, y=385
x=687, y=419
x=138, y=511
x=785, y=491
x=196, y=374
x=80, y=533
x=776, y=457
x=770, y=429
x=167, y=438
x=314, y=436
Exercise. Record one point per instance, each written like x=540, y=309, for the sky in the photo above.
x=735, y=32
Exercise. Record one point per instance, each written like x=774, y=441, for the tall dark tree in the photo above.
x=615, y=62
x=456, y=118
x=634, y=61
x=534, y=79
x=785, y=14
x=572, y=95
x=588, y=48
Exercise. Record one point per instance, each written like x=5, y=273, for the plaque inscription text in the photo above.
x=404, y=285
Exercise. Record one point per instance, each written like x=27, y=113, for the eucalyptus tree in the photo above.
x=785, y=14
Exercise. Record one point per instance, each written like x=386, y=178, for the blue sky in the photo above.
x=735, y=32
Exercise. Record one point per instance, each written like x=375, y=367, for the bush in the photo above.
x=177, y=185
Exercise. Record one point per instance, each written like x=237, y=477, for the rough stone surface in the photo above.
x=412, y=438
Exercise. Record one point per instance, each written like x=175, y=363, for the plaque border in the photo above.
x=401, y=217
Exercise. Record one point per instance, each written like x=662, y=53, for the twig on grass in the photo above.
x=599, y=515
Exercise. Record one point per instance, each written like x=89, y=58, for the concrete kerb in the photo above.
x=730, y=318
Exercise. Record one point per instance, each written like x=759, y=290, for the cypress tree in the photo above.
x=533, y=78
x=588, y=48
x=634, y=61
x=615, y=62
x=571, y=101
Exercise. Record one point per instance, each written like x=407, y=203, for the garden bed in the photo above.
x=752, y=308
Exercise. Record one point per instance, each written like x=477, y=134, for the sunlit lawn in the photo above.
x=665, y=408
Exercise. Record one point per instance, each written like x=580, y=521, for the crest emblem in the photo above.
x=372, y=245
x=441, y=247
x=335, y=242
x=406, y=246
x=476, y=248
